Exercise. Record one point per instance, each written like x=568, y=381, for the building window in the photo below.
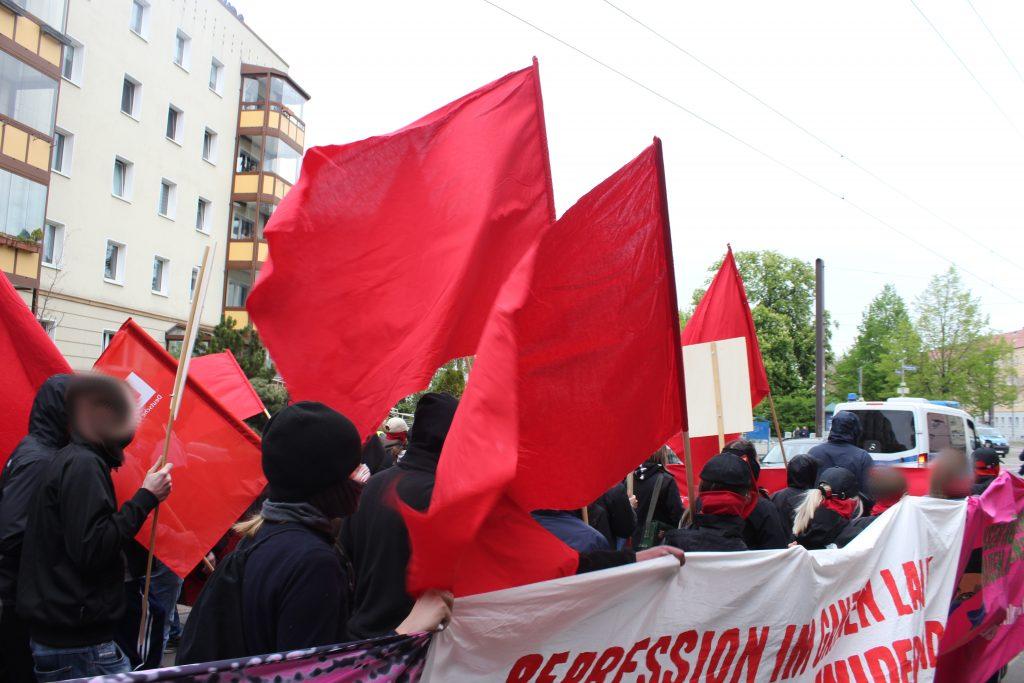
x=203, y=215
x=182, y=49
x=22, y=205
x=168, y=197
x=131, y=97
x=193, y=280
x=27, y=96
x=113, y=263
x=243, y=220
x=123, y=173
x=50, y=11
x=53, y=244
x=108, y=336
x=49, y=327
x=160, y=268
x=239, y=284
x=139, y=21
x=175, y=124
x=63, y=149
x=71, y=66
x=216, y=75
x=209, y=146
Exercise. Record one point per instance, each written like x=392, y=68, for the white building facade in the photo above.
x=144, y=164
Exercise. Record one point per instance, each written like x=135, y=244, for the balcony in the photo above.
x=271, y=105
x=19, y=259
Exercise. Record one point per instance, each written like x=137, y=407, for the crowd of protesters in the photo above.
x=322, y=556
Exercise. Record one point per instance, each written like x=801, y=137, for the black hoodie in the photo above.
x=801, y=475
x=375, y=538
x=841, y=449
x=47, y=433
x=71, y=581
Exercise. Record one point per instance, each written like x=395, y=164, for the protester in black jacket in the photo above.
x=801, y=476
x=668, y=508
x=613, y=514
x=827, y=509
x=47, y=433
x=70, y=584
x=763, y=529
x=986, y=469
x=841, y=449
x=727, y=497
x=887, y=487
x=375, y=457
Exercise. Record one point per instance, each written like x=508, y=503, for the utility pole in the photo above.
x=819, y=347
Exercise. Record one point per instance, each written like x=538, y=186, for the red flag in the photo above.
x=29, y=359
x=223, y=377
x=217, y=472
x=586, y=327
x=723, y=313
x=387, y=255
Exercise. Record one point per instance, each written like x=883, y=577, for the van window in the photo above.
x=946, y=432
x=886, y=431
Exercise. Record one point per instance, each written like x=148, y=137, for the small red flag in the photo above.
x=724, y=313
x=585, y=328
x=224, y=378
x=387, y=255
x=29, y=358
x=217, y=472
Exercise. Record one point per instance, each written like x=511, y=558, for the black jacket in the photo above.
x=612, y=515
x=824, y=529
x=841, y=449
x=801, y=475
x=853, y=529
x=764, y=528
x=711, y=533
x=295, y=592
x=981, y=484
x=47, y=433
x=375, y=538
x=70, y=586
x=668, y=508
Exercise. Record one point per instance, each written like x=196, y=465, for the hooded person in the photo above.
x=764, y=528
x=986, y=469
x=841, y=449
x=827, y=509
x=886, y=487
x=801, y=476
x=728, y=495
x=47, y=433
x=374, y=456
x=295, y=580
x=71, y=578
x=659, y=505
x=613, y=514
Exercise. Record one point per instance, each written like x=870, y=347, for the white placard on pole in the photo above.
x=731, y=396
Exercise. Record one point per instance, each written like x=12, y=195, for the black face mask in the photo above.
x=339, y=500
x=114, y=448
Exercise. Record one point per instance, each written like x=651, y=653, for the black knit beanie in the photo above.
x=307, y=448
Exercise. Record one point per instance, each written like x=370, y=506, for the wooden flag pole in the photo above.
x=778, y=432
x=718, y=396
x=629, y=484
x=177, y=391
x=670, y=275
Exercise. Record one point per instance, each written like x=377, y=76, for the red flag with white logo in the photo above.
x=28, y=357
x=217, y=472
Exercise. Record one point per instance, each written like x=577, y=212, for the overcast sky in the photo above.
x=871, y=79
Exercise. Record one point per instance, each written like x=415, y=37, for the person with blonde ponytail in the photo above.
x=827, y=509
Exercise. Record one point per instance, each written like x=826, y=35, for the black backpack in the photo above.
x=214, y=629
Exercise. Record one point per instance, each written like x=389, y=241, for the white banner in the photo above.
x=873, y=611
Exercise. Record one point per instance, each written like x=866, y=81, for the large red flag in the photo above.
x=576, y=381
x=223, y=377
x=723, y=313
x=217, y=472
x=29, y=357
x=387, y=255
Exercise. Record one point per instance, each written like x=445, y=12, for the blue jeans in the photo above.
x=62, y=663
x=165, y=587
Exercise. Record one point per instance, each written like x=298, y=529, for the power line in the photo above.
x=995, y=40
x=967, y=69
x=748, y=145
x=814, y=136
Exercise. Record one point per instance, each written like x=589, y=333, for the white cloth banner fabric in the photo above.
x=871, y=612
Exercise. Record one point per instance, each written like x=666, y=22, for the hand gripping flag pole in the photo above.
x=178, y=391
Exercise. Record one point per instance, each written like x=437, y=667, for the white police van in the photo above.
x=912, y=430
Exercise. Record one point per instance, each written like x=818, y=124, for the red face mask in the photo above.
x=845, y=508
x=727, y=503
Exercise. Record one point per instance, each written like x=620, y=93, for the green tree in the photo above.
x=886, y=339
x=451, y=378
x=960, y=359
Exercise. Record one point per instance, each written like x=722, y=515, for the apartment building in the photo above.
x=1009, y=419
x=176, y=127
